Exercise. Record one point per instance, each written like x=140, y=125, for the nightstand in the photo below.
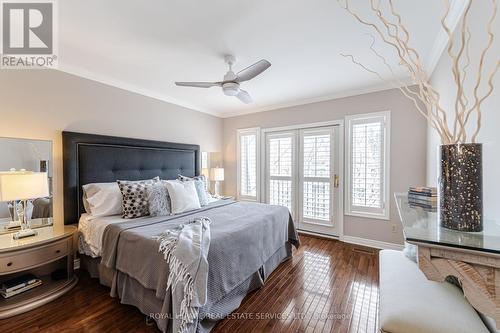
x=49, y=251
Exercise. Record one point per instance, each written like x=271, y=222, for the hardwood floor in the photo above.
x=328, y=286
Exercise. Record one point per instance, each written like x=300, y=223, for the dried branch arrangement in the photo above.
x=392, y=31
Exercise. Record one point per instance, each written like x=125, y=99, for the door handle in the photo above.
x=336, y=181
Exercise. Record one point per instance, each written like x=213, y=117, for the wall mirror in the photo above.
x=30, y=155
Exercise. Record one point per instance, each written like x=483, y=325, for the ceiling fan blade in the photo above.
x=198, y=84
x=252, y=71
x=244, y=97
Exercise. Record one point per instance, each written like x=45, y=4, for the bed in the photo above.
x=248, y=240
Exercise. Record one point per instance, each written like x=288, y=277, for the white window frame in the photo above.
x=267, y=178
x=374, y=213
x=239, y=133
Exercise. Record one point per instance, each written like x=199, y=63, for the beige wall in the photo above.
x=40, y=104
x=442, y=80
x=408, y=147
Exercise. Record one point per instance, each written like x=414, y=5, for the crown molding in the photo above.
x=342, y=94
x=129, y=87
x=457, y=9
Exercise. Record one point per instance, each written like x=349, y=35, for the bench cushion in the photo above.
x=409, y=303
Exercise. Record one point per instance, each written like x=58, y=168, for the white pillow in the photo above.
x=102, y=199
x=183, y=196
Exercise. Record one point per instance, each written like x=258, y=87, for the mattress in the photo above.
x=91, y=230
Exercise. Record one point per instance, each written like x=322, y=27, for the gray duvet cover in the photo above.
x=245, y=239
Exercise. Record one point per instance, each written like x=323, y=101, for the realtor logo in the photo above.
x=28, y=34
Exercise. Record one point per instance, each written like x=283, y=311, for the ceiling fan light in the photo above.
x=231, y=89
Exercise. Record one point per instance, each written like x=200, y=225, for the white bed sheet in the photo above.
x=91, y=231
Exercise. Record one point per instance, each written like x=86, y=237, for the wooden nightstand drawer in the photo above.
x=33, y=257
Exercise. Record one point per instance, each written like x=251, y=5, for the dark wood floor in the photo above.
x=328, y=286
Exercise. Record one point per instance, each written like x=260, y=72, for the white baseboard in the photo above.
x=358, y=241
x=317, y=234
x=76, y=263
x=372, y=243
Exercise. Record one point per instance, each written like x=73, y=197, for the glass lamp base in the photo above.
x=217, y=189
x=13, y=225
x=25, y=233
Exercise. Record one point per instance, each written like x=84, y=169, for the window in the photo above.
x=248, y=164
x=204, y=160
x=316, y=175
x=280, y=173
x=368, y=142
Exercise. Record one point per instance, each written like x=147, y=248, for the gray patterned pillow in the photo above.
x=135, y=201
x=200, y=183
x=158, y=199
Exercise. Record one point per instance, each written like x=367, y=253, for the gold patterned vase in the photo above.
x=461, y=187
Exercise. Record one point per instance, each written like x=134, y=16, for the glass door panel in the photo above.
x=316, y=181
x=280, y=172
x=301, y=173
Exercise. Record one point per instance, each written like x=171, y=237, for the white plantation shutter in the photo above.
x=316, y=155
x=280, y=192
x=248, y=164
x=316, y=178
x=300, y=169
x=368, y=165
x=280, y=157
x=280, y=172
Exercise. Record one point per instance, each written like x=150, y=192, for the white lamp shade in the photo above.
x=23, y=185
x=217, y=174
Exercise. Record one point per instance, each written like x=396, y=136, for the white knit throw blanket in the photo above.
x=185, y=249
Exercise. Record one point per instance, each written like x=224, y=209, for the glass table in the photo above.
x=472, y=257
x=422, y=226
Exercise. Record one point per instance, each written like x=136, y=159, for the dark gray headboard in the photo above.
x=89, y=158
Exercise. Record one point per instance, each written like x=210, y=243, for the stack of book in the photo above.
x=19, y=284
x=423, y=197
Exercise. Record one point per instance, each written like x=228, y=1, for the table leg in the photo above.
x=478, y=275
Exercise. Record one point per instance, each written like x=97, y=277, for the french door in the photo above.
x=302, y=173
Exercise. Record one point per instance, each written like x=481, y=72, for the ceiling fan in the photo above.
x=231, y=82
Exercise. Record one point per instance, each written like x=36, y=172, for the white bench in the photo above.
x=409, y=303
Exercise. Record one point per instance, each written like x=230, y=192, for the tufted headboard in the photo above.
x=89, y=158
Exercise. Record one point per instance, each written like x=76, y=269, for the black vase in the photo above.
x=461, y=187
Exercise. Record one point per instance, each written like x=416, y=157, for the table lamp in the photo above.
x=217, y=175
x=23, y=185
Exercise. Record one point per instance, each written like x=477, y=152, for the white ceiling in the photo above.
x=144, y=46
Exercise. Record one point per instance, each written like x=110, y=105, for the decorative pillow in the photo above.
x=183, y=196
x=200, y=183
x=158, y=199
x=102, y=199
x=135, y=201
